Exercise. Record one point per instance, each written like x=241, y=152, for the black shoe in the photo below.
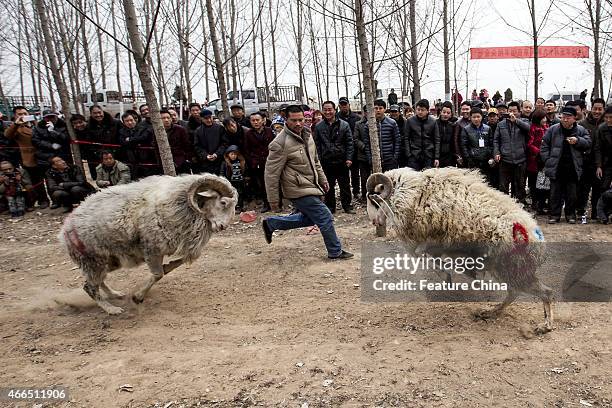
x=267, y=231
x=265, y=209
x=43, y=205
x=54, y=206
x=349, y=211
x=343, y=255
x=67, y=209
x=571, y=220
x=554, y=220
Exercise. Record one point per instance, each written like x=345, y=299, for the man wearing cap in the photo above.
x=562, y=153
x=50, y=138
x=422, y=140
x=209, y=144
x=238, y=115
x=345, y=113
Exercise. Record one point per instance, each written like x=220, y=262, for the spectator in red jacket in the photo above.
x=182, y=150
x=534, y=162
x=256, y=141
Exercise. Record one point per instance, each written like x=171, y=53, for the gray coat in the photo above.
x=510, y=141
x=552, y=146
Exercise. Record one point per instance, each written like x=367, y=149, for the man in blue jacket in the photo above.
x=388, y=138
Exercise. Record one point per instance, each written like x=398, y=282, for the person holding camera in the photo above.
x=67, y=184
x=14, y=186
x=21, y=132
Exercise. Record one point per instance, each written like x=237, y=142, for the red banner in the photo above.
x=544, y=51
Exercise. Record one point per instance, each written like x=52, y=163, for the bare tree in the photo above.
x=59, y=83
x=414, y=61
x=217, y=53
x=144, y=72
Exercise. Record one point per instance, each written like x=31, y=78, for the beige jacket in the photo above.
x=293, y=160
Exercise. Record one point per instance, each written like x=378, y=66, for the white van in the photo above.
x=563, y=97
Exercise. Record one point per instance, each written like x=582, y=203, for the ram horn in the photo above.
x=379, y=184
x=204, y=186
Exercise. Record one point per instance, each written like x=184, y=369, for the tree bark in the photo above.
x=536, y=70
x=117, y=60
x=218, y=62
x=144, y=73
x=273, y=44
x=59, y=83
x=369, y=94
x=100, y=46
x=92, y=82
x=414, y=56
x=205, y=46
x=233, y=53
x=263, y=59
x=447, y=90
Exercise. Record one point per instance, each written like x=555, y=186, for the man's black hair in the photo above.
x=381, y=103
x=293, y=109
x=329, y=102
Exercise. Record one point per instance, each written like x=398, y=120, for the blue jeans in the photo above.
x=312, y=211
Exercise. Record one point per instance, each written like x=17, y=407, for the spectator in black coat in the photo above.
x=234, y=133
x=422, y=140
x=334, y=142
x=239, y=116
x=136, y=141
x=50, y=138
x=66, y=183
x=446, y=130
x=209, y=144
x=180, y=146
x=350, y=117
x=562, y=153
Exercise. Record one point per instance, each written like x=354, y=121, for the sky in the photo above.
x=489, y=30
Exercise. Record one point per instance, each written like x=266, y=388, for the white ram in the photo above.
x=126, y=225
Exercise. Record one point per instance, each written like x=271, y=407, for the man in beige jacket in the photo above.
x=293, y=160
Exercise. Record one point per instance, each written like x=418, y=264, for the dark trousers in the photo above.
x=92, y=169
x=67, y=198
x=37, y=175
x=589, y=183
x=365, y=169
x=337, y=173
x=355, y=179
x=239, y=186
x=513, y=174
x=258, y=185
x=538, y=197
x=563, y=188
x=604, y=206
x=419, y=163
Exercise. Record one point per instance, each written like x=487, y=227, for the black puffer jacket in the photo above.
x=71, y=177
x=472, y=148
x=603, y=147
x=106, y=131
x=352, y=118
x=43, y=140
x=334, y=142
x=552, y=148
x=422, y=139
x=389, y=142
x=360, y=137
x=446, y=129
x=510, y=141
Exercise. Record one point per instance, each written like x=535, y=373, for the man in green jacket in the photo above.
x=111, y=172
x=293, y=161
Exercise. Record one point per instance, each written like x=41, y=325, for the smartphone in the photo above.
x=28, y=118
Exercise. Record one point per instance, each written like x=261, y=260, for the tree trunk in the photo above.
x=326, y=39
x=205, y=46
x=218, y=62
x=414, y=56
x=117, y=60
x=161, y=83
x=131, y=75
x=92, y=82
x=263, y=59
x=233, y=44
x=100, y=46
x=45, y=58
x=31, y=62
x=369, y=94
x=273, y=44
x=60, y=15
x=144, y=72
x=224, y=35
x=536, y=71
x=254, y=45
x=335, y=25
x=315, y=59
x=447, y=90
x=59, y=83
x=21, y=85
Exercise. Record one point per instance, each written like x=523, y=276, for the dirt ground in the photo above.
x=251, y=324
